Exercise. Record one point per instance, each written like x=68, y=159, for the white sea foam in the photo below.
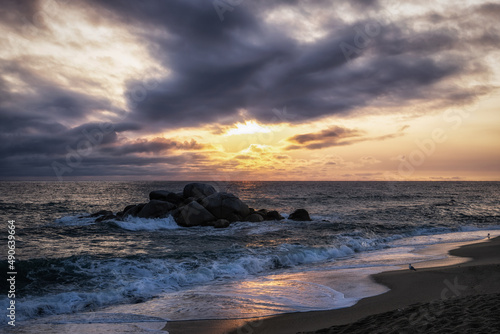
x=147, y=224
x=129, y=281
x=77, y=220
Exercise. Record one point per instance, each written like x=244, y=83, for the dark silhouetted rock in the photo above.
x=156, y=209
x=273, y=215
x=128, y=207
x=133, y=210
x=187, y=201
x=193, y=214
x=234, y=218
x=300, y=215
x=198, y=190
x=262, y=212
x=159, y=195
x=223, y=205
x=101, y=213
x=167, y=196
x=254, y=218
x=221, y=223
x=198, y=205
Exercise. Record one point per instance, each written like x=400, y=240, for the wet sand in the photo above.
x=460, y=295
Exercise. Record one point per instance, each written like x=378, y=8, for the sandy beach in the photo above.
x=452, y=298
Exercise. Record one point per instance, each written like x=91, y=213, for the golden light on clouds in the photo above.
x=249, y=127
x=267, y=94
x=65, y=46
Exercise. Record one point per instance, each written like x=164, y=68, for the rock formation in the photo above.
x=198, y=205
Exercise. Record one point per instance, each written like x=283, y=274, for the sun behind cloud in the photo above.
x=249, y=127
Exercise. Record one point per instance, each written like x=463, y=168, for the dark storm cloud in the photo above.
x=44, y=97
x=42, y=166
x=336, y=136
x=218, y=68
x=155, y=146
x=53, y=139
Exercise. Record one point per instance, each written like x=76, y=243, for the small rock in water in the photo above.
x=221, y=223
x=255, y=218
x=300, y=215
x=273, y=215
x=262, y=212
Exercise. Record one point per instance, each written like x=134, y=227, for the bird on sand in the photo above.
x=411, y=267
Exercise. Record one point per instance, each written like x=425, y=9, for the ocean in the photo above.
x=152, y=269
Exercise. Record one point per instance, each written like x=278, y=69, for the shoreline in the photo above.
x=477, y=275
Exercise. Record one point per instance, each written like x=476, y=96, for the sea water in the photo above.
x=150, y=269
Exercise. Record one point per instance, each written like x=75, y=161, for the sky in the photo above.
x=222, y=90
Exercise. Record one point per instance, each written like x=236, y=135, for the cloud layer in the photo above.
x=318, y=59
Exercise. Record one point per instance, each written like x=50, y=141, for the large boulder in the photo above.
x=225, y=206
x=198, y=190
x=300, y=215
x=156, y=209
x=193, y=214
x=167, y=196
